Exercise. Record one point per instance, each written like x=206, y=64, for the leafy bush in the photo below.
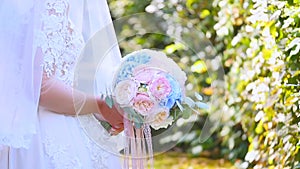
x=263, y=81
x=259, y=43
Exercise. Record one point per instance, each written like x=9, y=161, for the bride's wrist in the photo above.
x=90, y=105
x=100, y=102
x=98, y=113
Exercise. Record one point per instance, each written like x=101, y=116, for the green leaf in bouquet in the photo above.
x=202, y=105
x=138, y=118
x=198, y=96
x=180, y=106
x=190, y=102
x=109, y=101
x=128, y=110
x=133, y=116
x=187, y=113
x=138, y=125
x=175, y=113
x=106, y=125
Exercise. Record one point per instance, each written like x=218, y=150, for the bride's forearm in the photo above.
x=63, y=99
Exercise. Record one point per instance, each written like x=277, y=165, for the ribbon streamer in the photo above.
x=138, y=148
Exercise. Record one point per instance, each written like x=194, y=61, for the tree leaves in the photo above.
x=259, y=43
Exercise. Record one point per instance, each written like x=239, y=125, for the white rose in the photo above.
x=125, y=91
x=161, y=119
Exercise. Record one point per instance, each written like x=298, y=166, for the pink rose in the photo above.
x=143, y=104
x=160, y=88
x=144, y=74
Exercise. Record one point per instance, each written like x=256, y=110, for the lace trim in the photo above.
x=59, y=155
x=60, y=42
x=22, y=139
x=16, y=141
x=98, y=156
x=96, y=132
x=98, y=141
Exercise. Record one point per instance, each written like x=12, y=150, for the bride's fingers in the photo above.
x=118, y=126
x=114, y=131
x=118, y=129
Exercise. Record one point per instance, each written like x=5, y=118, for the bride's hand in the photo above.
x=114, y=131
x=112, y=116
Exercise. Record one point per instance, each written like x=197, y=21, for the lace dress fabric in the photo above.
x=60, y=42
x=61, y=143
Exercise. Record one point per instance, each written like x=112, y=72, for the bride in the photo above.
x=41, y=41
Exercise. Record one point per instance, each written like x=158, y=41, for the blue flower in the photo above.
x=126, y=70
x=132, y=60
x=175, y=95
x=140, y=58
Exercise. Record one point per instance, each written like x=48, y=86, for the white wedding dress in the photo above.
x=60, y=141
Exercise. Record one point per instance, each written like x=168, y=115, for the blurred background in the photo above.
x=243, y=57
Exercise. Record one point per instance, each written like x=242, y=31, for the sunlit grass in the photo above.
x=172, y=160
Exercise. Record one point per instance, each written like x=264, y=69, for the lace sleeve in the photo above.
x=59, y=42
x=60, y=45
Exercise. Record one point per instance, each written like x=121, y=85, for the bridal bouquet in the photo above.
x=148, y=86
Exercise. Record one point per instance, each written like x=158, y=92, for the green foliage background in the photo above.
x=258, y=42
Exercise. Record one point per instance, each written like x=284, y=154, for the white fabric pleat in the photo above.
x=96, y=67
x=20, y=69
x=20, y=73
x=39, y=138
